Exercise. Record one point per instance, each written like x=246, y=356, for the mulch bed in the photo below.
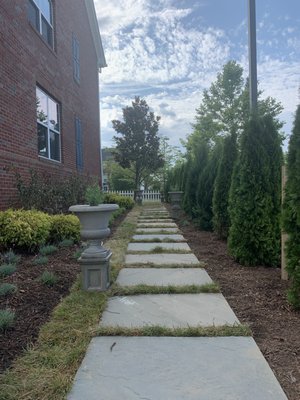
x=258, y=297
x=33, y=302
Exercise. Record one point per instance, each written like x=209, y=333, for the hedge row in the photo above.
x=30, y=229
x=122, y=201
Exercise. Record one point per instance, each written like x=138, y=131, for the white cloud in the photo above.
x=152, y=52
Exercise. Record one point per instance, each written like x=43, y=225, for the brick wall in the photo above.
x=26, y=60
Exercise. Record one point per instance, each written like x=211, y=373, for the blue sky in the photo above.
x=169, y=51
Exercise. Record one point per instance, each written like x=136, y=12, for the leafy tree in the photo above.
x=219, y=112
x=291, y=213
x=221, y=220
x=254, y=199
x=225, y=107
x=138, y=146
x=121, y=178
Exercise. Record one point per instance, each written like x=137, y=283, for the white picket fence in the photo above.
x=148, y=195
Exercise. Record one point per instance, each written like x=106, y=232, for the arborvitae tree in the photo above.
x=195, y=166
x=254, y=209
x=205, y=187
x=291, y=213
x=221, y=220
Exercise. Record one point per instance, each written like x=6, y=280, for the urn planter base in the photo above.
x=95, y=272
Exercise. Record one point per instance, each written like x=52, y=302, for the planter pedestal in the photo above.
x=95, y=268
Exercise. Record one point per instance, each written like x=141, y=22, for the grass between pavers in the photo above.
x=117, y=290
x=46, y=371
x=155, y=330
x=152, y=265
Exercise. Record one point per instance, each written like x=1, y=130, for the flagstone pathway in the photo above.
x=170, y=368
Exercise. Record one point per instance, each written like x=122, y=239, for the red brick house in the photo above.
x=50, y=57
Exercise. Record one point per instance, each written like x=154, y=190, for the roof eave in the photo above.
x=95, y=33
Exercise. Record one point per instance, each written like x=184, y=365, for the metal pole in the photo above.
x=252, y=54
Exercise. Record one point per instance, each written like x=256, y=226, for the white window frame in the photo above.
x=47, y=125
x=49, y=22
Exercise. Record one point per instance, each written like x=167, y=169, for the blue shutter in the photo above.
x=79, y=148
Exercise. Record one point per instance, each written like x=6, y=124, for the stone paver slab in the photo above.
x=170, y=310
x=150, y=246
x=155, y=220
x=162, y=259
x=169, y=368
x=160, y=230
x=163, y=277
x=158, y=237
x=155, y=213
x=156, y=224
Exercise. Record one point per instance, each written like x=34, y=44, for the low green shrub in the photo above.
x=47, y=250
x=7, y=288
x=77, y=253
x=41, y=260
x=10, y=257
x=66, y=243
x=7, y=320
x=48, y=278
x=7, y=269
x=122, y=201
x=24, y=229
x=116, y=214
x=64, y=227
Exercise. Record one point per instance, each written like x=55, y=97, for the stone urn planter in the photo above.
x=138, y=196
x=175, y=198
x=94, y=260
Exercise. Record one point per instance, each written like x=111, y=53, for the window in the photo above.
x=48, y=126
x=40, y=15
x=79, y=149
x=76, y=59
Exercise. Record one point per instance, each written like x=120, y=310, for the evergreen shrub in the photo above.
x=7, y=288
x=122, y=201
x=7, y=320
x=48, y=249
x=221, y=220
x=64, y=227
x=253, y=204
x=24, y=229
x=48, y=278
x=291, y=213
x=7, y=269
x=205, y=187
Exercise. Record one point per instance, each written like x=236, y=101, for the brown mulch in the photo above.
x=258, y=298
x=33, y=302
